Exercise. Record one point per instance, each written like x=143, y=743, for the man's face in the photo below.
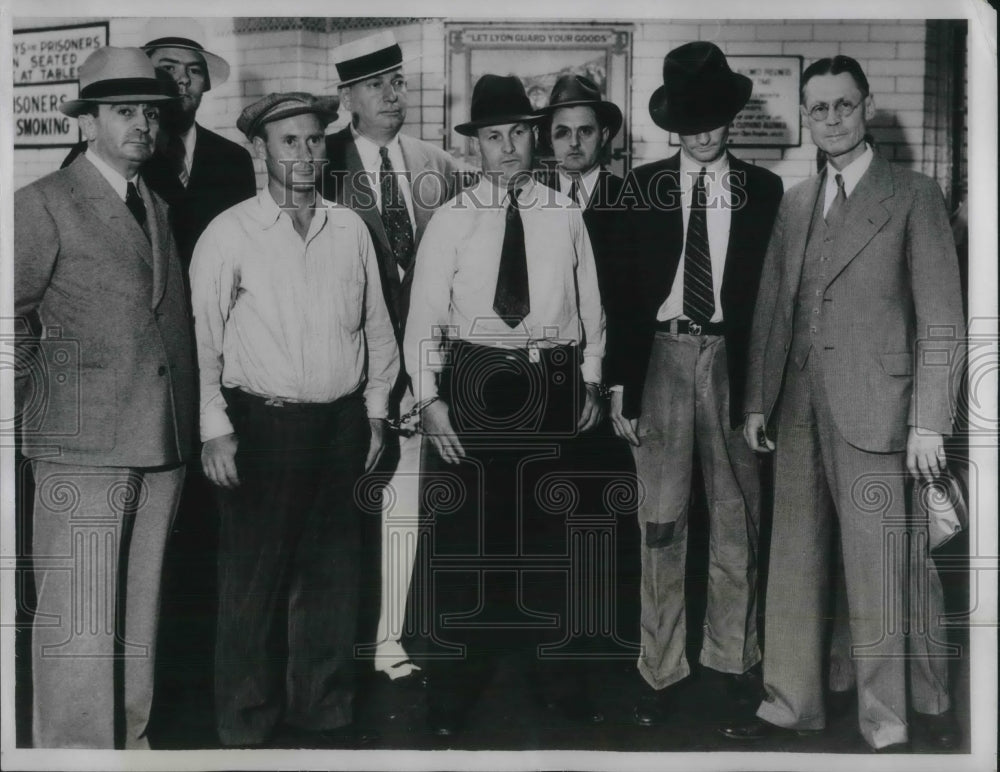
x=189, y=72
x=705, y=147
x=506, y=150
x=577, y=138
x=124, y=135
x=840, y=136
x=377, y=104
x=292, y=152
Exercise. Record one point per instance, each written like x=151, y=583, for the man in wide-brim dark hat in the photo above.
x=700, y=239
x=505, y=282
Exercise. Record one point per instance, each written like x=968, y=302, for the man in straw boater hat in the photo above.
x=579, y=126
x=700, y=237
x=394, y=182
x=297, y=357
x=94, y=257
x=197, y=172
x=504, y=343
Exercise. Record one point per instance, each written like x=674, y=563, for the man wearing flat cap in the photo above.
x=95, y=260
x=700, y=237
x=579, y=126
x=394, y=182
x=297, y=357
x=504, y=342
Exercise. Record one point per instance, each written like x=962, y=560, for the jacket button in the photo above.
x=161, y=370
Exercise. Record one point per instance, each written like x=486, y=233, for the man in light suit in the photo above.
x=700, y=235
x=857, y=323
x=394, y=182
x=94, y=257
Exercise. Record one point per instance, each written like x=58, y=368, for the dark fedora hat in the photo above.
x=496, y=100
x=699, y=91
x=577, y=91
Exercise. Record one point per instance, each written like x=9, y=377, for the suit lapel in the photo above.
x=798, y=226
x=739, y=221
x=866, y=214
x=159, y=236
x=416, y=162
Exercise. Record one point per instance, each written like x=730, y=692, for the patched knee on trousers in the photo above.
x=659, y=534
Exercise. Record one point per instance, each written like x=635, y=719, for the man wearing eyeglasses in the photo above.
x=857, y=320
x=395, y=183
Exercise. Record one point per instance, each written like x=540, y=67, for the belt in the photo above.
x=245, y=397
x=532, y=354
x=687, y=327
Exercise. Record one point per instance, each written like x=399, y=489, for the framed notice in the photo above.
x=46, y=65
x=538, y=54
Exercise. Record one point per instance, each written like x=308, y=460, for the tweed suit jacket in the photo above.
x=114, y=378
x=891, y=322
x=657, y=229
x=435, y=177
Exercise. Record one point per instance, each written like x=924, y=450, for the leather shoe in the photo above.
x=903, y=747
x=940, y=731
x=758, y=729
x=651, y=709
x=745, y=688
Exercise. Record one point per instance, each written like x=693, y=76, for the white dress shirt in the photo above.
x=852, y=174
x=718, y=217
x=189, y=138
x=455, y=279
x=284, y=317
x=371, y=159
x=119, y=183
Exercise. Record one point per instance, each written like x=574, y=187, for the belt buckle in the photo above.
x=274, y=402
x=694, y=328
x=534, y=355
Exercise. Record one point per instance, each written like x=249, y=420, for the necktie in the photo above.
x=135, y=205
x=699, y=297
x=574, y=193
x=511, y=301
x=835, y=214
x=177, y=154
x=395, y=218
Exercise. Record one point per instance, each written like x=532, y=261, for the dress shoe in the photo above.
x=940, y=731
x=651, y=709
x=745, y=688
x=758, y=729
x=903, y=747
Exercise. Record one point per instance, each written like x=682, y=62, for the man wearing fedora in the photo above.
x=700, y=236
x=504, y=342
x=197, y=172
x=855, y=336
x=394, y=182
x=297, y=357
x=95, y=259
x=579, y=126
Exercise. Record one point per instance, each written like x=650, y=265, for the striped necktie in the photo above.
x=699, y=295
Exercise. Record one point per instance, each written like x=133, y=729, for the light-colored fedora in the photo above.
x=116, y=75
x=185, y=33
x=367, y=57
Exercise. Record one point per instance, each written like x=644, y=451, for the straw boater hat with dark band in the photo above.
x=117, y=76
x=579, y=91
x=498, y=100
x=699, y=92
x=185, y=33
x=275, y=107
x=366, y=58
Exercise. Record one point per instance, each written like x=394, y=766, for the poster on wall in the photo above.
x=46, y=62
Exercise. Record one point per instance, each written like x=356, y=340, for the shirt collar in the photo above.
x=371, y=157
x=690, y=169
x=588, y=184
x=852, y=173
x=189, y=138
x=119, y=183
x=267, y=212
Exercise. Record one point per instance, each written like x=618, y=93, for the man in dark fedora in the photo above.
x=504, y=342
x=579, y=126
x=297, y=357
x=95, y=260
x=394, y=182
x=700, y=237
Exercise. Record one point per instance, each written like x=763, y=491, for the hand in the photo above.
x=377, y=443
x=593, y=410
x=218, y=460
x=624, y=427
x=437, y=425
x=925, y=455
x=755, y=433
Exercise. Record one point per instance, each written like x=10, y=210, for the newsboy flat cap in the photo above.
x=114, y=76
x=275, y=107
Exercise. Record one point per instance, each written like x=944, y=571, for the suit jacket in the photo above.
x=222, y=175
x=112, y=381
x=657, y=228
x=434, y=178
x=891, y=314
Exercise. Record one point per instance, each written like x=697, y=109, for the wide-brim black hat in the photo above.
x=498, y=100
x=579, y=91
x=699, y=91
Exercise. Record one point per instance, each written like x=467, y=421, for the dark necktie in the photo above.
x=177, y=153
x=574, y=193
x=135, y=205
x=835, y=214
x=395, y=218
x=699, y=296
x=511, y=301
